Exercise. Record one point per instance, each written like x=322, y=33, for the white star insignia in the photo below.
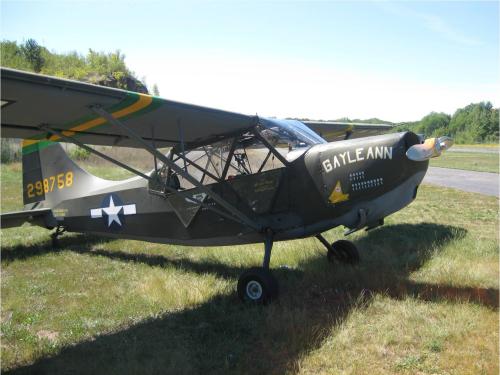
x=113, y=212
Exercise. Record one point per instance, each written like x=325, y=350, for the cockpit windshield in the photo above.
x=291, y=132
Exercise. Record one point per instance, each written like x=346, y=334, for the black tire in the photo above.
x=332, y=256
x=344, y=251
x=257, y=286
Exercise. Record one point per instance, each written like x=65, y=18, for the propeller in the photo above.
x=431, y=148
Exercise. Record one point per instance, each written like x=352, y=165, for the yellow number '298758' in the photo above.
x=47, y=185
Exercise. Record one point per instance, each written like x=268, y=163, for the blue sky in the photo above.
x=393, y=60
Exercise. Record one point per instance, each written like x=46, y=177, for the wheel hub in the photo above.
x=254, y=290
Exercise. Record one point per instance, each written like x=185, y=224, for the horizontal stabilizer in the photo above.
x=42, y=217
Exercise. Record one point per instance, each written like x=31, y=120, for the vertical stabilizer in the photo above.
x=49, y=175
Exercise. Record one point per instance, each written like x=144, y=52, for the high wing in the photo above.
x=32, y=101
x=337, y=131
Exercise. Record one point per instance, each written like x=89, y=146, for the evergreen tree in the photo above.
x=33, y=54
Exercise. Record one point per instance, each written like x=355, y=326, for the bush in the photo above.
x=78, y=153
x=10, y=150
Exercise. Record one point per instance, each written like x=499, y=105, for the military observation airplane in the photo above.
x=227, y=179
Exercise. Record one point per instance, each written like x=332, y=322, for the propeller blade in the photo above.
x=445, y=143
x=431, y=148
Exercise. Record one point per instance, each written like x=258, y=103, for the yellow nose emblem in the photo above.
x=337, y=195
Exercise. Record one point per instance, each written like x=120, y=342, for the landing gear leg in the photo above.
x=257, y=285
x=55, y=236
x=342, y=251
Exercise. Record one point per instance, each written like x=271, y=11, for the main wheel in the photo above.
x=344, y=251
x=258, y=286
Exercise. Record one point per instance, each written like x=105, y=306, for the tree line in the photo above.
x=474, y=123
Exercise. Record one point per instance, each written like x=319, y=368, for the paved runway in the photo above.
x=475, y=182
x=482, y=150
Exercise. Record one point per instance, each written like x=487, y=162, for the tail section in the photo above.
x=50, y=176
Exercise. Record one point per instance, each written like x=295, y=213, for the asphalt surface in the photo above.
x=471, y=181
x=482, y=150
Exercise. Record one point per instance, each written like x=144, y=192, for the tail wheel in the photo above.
x=343, y=251
x=257, y=286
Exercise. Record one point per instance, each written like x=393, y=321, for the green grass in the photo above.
x=424, y=299
x=472, y=161
x=106, y=172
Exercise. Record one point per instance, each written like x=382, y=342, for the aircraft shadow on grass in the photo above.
x=224, y=336
x=80, y=243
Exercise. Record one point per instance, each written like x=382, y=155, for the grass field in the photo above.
x=472, y=161
x=424, y=300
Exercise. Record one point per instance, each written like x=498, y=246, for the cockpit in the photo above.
x=270, y=145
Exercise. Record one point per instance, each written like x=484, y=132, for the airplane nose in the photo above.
x=362, y=166
x=431, y=148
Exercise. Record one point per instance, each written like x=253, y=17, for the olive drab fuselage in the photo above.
x=355, y=183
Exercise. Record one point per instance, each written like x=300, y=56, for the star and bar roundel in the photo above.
x=113, y=211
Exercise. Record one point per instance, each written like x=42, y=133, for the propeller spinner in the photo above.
x=431, y=148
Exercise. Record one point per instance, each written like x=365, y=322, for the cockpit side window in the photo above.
x=224, y=160
x=268, y=146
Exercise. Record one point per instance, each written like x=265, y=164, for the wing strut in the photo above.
x=228, y=160
x=271, y=147
x=180, y=171
x=202, y=204
x=196, y=166
x=90, y=149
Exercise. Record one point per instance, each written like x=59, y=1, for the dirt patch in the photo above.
x=48, y=335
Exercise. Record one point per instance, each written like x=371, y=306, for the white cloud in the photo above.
x=432, y=22
x=298, y=89
x=438, y=25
